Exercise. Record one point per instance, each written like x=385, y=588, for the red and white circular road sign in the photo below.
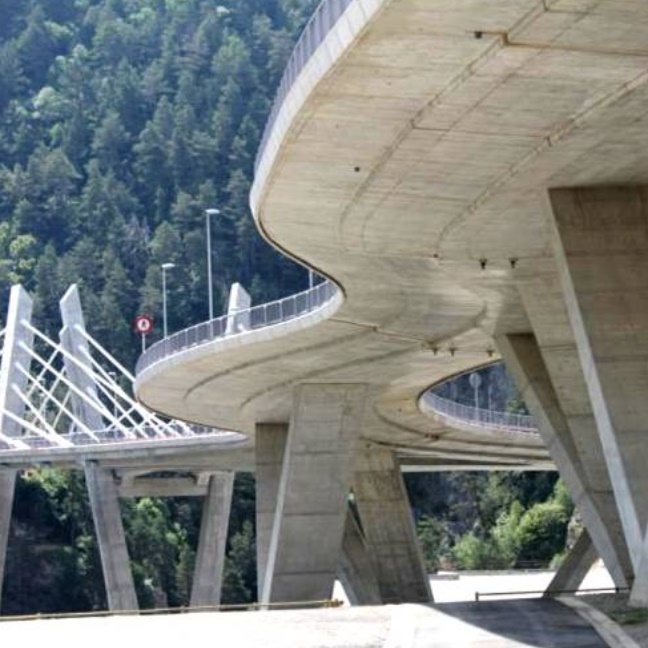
x=143, y=324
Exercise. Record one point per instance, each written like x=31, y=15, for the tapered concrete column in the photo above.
x=15, y=355
x=79, y=373
x=601, y=249
x=388, y=528
x=270, y=445
x=17, y=343
x=7, y=489
x=115, y=564
x=210, y=558
x=312, y=499
x=571, y=439
x=575, y=566
x=356, y=570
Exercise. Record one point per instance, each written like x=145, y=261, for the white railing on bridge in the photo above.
x=256, y=317
x=477, y=417
x=322, y=21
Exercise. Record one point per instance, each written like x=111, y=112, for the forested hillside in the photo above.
x=121, y=121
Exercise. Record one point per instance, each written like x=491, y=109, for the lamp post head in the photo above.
x=168, y=266
x=212, y=211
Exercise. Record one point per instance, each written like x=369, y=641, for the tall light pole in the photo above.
x=210, y=280
x=165, y=267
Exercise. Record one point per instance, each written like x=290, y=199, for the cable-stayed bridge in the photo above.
x=68, y=402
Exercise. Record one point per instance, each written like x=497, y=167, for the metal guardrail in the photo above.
x=115, y=436
x=477, y=417
x=326, y=15
x=256, y=317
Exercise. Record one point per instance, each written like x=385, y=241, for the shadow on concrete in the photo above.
x=535, y=623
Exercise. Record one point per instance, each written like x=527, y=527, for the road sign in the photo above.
x=143, y=324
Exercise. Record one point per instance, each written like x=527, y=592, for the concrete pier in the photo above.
x=210, y=557
x=312, y=499
x=564, y=420
x=575, y=566
x=7, y=488
x=356, y=571
x=388, y=528
x=601, y=248
x=102, y=490
x=270, y=447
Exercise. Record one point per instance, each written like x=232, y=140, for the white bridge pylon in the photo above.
x=60, y=399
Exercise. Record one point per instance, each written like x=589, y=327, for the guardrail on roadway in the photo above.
x=256, y=317
x=477, y=417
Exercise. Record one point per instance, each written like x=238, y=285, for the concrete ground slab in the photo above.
x=501, y=624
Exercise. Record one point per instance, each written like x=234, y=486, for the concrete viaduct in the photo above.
x=472, y=176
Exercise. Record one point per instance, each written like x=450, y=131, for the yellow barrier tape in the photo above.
x=324, y=603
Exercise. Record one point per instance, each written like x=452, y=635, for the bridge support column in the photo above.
x=601, y=249
x=7, y=488
x=388, y=528
x=565, y=422
x=308, y=526
x=575, y=566
x=356, y=569
x=115, y=564
x=15, y=355
x=210, y=559
x=270, y=445
x=102, y=490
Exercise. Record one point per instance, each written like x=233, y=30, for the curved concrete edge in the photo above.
x=351, y=23
x=610, y=632
x=261, y=334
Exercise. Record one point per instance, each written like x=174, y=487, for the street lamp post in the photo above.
x=210, y=287
x=165, y=267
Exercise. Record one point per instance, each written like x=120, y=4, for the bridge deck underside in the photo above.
x=413, y=171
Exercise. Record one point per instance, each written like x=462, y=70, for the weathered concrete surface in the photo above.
x=315, y=480
x=410, y=162
x=356, y=570
x=570, y=437
x=601, y=247
x=416, y=147
x=7, y=489
x=115, y=565
x=509, y=624
x=388, y=528
x=270, y=447
x=575, y=566
x=18, y=341
x=210, y=556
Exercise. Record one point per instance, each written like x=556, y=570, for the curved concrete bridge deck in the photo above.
x=472, y=175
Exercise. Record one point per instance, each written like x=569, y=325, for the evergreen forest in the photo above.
x=121, y=121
